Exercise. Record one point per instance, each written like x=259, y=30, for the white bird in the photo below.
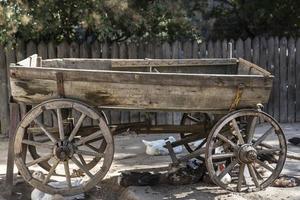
x=39, y=195
x=156, y=147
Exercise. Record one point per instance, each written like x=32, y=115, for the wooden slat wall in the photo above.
x=277, y=55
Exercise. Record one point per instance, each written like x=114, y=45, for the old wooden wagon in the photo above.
x=221, y=101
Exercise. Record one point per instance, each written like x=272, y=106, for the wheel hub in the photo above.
x=63, y=150
x=247, y=153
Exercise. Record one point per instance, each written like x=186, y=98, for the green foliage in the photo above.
x=114, y=20
x=249, y=18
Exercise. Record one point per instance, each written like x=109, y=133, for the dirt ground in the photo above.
x=130, y=154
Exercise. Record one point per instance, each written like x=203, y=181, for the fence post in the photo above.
x=4, y=108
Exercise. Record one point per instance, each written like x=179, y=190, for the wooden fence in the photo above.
x=278, y=55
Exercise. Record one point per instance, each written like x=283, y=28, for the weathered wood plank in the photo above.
x=138, y=90
x=30, y=48
x=240, y=49
x=20, y=50
x=195, y=50
x=217, y=49
x=255, y=46
x=202, y=49
x=224, y=49
x=297, y=80
x=63, y=50
x=263, y=53
x=125, y=115
x=291, y=98
x=115, y=115
x=270, y=68
x=276, y=84
x=4, y=108
x=96, y=49
x=248, y=48
x=210, y=49
x=51, y=50
x=105, y=50
x=187, y=49
x=283, y=80
x=85, y=50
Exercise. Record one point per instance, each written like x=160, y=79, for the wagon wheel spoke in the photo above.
x=227, y=169
x=268, y=151
x=82, y=167
x=237, y=131
x=241, y=177
x=268, y=167
x=264, y=136
x=37, y=144
x=92, y=147
x=82, y=159
x=251, y=129
x=60, y=124
x=253, y=175
x=67, y=172
x=51, y=172
x=77, y=126
x=40, y=159
x=224, y=155
x=225, y=139
x=50, y=135
x=88, y=153
x=86, y=139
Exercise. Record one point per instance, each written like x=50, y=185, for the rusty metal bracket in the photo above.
x=60, y=84
x=238, y=96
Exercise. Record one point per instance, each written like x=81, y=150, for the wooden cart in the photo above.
x=220, y=98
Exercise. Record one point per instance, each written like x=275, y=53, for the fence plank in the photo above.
x=63, y=50
x=210, y=49
x=20, y=50
x=224, y=49
x=30, y=48
x=276, y=82
x=105, y=50
x=187, y=49
x=115, y=114
x=297, y=80
x=218, y=49
x=240, y=48
x=291, y=98
x=283, y=80
x=51, y=50
x=247, y=47
x=4, y=108
x=195, y=49
x=270, y=68
x=74, y=50
x=125, y=115
x=256, y=50
x=85, y=50
x=202, y=49
x=263, y=53
x=95, y=49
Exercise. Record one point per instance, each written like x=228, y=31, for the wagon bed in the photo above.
x=151, y=84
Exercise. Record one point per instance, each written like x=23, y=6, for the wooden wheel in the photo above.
x=67, y=153
x=251, y=148
x=190, y=119
x=100, y=146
